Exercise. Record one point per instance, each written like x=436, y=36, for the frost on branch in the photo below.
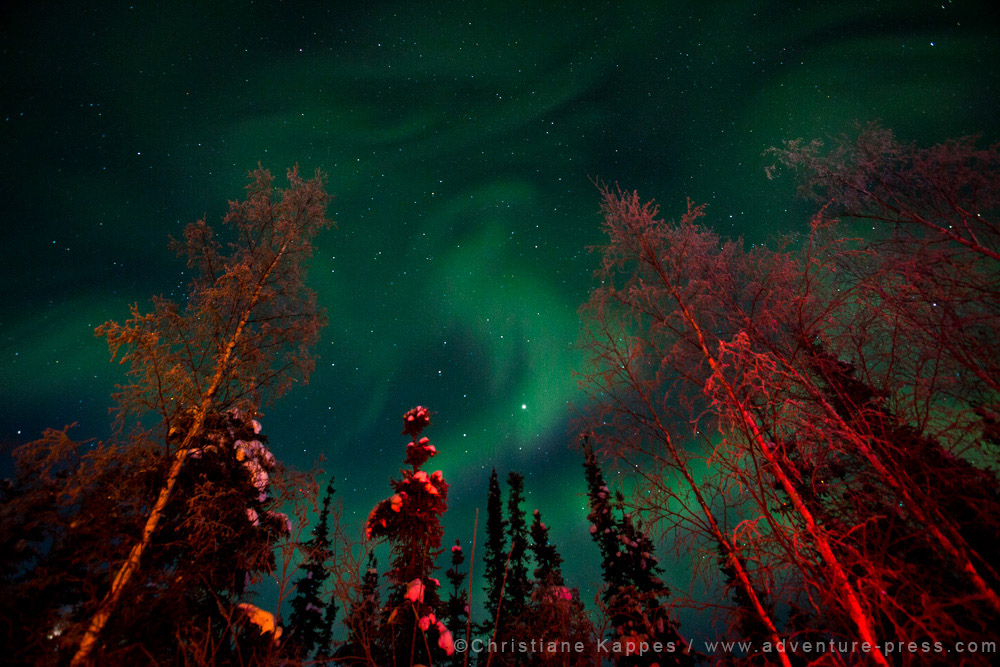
x=232, y=447
x=415, y=591
x=262, y=620
x=409, y=520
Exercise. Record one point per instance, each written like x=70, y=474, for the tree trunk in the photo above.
x=955, y=551
x=840, y=581
x=83, y=655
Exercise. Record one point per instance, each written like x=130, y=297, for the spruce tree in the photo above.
x=65, y=517
x=151, y=539
x=457, y=605
x=641, y=612
x=517, y=587
x=634, y=592
x=410, y=521
x=603, y=526
x=312, y=619
x=494, y=553
x=548, y=562
x=554, y=613
x=366, y=641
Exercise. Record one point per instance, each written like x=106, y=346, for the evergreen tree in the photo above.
x=634, y=593
x=311, y=621
x=366, y=641
x=410, y=521
x=517, y=587
x=216, y=538
x=602, y=521
x=494, y=554
x=457, y=605
x=554, y=612
x=548, y=562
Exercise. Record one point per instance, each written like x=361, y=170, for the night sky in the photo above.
x=458, y=140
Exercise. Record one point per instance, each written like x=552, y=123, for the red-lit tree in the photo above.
x=410, y=521
x=243, y=335
x=902, y=364
x=185, y=508
x=645, y=379
x=76, y=509
x=929, y=218
x=827, y=412
x=657, y=278
x=949, y=191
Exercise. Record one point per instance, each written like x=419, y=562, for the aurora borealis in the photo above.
x=459, y=140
